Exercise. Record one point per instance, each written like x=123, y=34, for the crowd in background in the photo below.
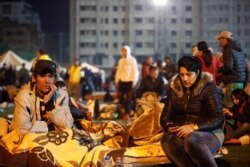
x=229, y=70
x=206, y=97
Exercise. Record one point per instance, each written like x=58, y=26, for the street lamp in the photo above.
x=160, y=27
x=160, y=2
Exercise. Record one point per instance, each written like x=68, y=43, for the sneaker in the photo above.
x=232, y=142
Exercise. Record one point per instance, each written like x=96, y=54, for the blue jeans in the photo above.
x=196, y=149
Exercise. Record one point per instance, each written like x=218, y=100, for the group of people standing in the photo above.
x=10, y=80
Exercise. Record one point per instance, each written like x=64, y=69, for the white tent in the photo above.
x=94, y=69
x=11, y=58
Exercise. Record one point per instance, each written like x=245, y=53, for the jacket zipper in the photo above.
x=188, y=96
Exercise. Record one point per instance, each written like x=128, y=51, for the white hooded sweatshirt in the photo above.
x=127, y=69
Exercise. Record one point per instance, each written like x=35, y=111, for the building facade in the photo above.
x=20, y=28
x=100, y=27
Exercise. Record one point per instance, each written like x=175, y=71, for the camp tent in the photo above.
x=94, y=69
x=11, y=58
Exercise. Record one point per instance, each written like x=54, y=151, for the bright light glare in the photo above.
x=160, y=2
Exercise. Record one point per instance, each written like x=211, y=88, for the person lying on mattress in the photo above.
x=192, y=117
x=40, y=106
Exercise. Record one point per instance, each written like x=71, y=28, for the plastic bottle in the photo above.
x=107, y=161
x=118, y=162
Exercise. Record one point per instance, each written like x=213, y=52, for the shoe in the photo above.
x=125, y=117
x=232, y=142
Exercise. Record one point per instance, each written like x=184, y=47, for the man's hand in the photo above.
x=48, y=96
x=45, y=116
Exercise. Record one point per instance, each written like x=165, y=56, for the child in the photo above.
x=240, y=113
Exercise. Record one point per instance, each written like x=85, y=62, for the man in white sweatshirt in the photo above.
x=126, y=77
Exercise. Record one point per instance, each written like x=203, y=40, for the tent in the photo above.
x=94, y=70
x=11, y=58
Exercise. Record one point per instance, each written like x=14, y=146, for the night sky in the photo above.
x=54, y=14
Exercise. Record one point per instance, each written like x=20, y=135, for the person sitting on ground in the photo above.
x=192, y=117
x=40, y=107
x=78, y=110
x=240, y=114
x=152, y=83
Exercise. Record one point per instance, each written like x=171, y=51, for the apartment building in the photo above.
x=19, y=28
x=99, y=28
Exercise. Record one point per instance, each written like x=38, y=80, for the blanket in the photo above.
x=135, y=142
x=74, y=147
x=55, y=148
x=146, y=128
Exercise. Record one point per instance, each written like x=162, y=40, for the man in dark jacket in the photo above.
x=152, y=83
x=234, y=69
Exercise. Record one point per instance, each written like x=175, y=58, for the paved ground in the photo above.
x=238, y=156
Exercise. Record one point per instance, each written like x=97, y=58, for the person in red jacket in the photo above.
x=209, y=63
x=145, y=66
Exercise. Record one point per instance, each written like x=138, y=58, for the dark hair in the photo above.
x=60, y=84
x=159, y=63
x=153, y=68
x=206, y=53
x=167, y=57
x=190, y=63
x=240, y=94
x=146, y=58
x=40, y=51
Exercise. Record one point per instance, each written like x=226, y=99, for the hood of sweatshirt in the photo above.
x=128, y=52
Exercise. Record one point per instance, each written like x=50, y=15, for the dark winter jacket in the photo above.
x=200, y=104
x=148, y=85
x=245, y=115
x=234, y=69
